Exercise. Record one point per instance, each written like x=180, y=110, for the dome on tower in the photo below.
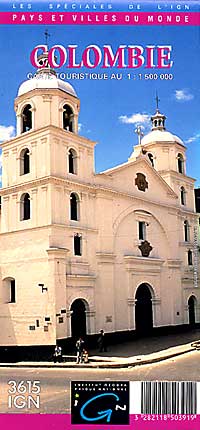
x=158, y=132
x=160, y=136
x=45, y=81
x=45, y=78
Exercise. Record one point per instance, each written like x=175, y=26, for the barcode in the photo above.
x=165, y=397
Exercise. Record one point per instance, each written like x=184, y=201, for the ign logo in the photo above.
x=99, y=402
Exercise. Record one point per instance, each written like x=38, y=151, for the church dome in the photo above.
x=46, y=81
x=160, y=136
x=158, y=132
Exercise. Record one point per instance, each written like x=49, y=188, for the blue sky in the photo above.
x=104, y=102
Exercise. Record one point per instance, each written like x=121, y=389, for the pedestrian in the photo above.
x=102, y=342
x=85, y=356
x=79, y=350
x=57, y=356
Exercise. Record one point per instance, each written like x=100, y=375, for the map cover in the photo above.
x=99, y=215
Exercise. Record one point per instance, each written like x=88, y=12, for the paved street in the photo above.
x=55, y=383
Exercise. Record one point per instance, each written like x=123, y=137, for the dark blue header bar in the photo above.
x=100, y=6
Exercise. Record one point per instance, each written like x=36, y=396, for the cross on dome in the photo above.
x=47, y=36
x=157, y=101
x=43, y=60
x=139, y=132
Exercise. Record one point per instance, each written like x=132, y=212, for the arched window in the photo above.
x=25, y=207
x=9, y=293
x=151, y=158
x=183, y=196
x=180, y=163
x=190, y=262
x=142, y=230
x=79, y=319
x=68, y=118
x=24, y=162
x=12, y=291
x=26, y=119
x=186, y=231
x=192, y=302
x=143, y=310
x=74, y=207
x=77, y=244
x=72, y=161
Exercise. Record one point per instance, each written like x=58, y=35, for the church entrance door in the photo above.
x=191, y=310
x=78, y=319
x=143, y=310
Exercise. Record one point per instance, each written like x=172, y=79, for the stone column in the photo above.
x=186, y=314
x=68, y=315
x=5, y=214
x=156, y=311
x=33, y=204
x=19, y=124
x=5, y=172
x=14, y=212
x=131, y=313
x=33, y=160
x=43, y=154
x=14, y=166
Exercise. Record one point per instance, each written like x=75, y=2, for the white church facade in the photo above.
x=81, y=251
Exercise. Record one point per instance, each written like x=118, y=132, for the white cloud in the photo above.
x=135, y=118
x=81, y=129
x=6, y=132
x=193, y=138
x=183, y=95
